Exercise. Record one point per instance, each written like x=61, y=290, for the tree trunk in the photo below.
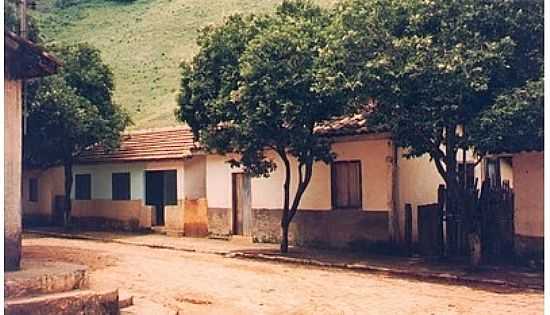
x=290, y=211
x=452, y=198
x=285, y=222
x=284, y=235
x=68, y=169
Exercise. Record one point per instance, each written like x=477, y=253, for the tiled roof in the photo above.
x=344, y=126
x=178, y=142
x=146, y=145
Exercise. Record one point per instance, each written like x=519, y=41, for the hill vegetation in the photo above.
x=143, y=42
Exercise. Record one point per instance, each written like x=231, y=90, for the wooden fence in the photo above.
x=487, y=213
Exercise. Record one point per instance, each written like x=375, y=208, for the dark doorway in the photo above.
x=160, y=190
x=241, y=204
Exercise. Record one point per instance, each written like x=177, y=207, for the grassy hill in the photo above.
x=143, y=42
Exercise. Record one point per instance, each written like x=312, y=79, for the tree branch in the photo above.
x=301, y=188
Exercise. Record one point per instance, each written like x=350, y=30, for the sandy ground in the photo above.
x=168, y=281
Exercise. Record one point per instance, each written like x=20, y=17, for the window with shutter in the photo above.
x=83, y=187
x=346, y=184
x=121, y=186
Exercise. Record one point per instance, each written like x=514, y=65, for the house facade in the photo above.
x=356, y=201
x=161, y=178
x=147, y=182
x=349, y=201
x=22, y=60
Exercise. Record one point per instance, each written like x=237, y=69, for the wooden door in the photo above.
x=242, y=212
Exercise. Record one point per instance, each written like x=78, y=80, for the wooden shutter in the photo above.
x=171, y=187
x=121, y=186
x=83, y=187
x=354, y=184
x=346, y=184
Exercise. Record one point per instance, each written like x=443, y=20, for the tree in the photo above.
x=433, y=68
x=250, y=90
x=514, y=123
x=72, y=111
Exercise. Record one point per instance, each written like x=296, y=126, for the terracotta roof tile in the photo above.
x=344, y=126
x=144, y=145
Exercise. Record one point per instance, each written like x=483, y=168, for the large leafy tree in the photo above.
x=515, y=122
x=434, y=68
x=72, y=111
x=250, y=90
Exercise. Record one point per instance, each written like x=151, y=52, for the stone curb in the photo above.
x=311, y=262
x=104, y=240
x=390, y=271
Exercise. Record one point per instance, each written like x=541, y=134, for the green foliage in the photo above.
x=62, y=4
x=432, y=66
x=514, y=122
x=60, y=123
x=72, y=110
x=250, y=88
x=142, y=42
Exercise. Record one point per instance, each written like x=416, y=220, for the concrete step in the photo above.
x=158, y=229
x=43, y=277
x=125, y=300
x=65, y=303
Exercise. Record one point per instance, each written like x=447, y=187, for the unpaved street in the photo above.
x=167, y=281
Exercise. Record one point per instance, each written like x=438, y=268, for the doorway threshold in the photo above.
x=159, y=229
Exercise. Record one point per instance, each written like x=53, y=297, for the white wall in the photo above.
x=418, y=180
x=194, y=182
x=101, y=177
x=267, y=193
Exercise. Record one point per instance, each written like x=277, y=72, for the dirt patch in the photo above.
x=95, y=260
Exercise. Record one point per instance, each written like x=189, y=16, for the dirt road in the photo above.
x=167, y=281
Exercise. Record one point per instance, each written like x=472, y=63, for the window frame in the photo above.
x=76, y=190
x=127, y=196
x=333, y=181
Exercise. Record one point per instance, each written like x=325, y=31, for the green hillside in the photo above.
x=143, y=42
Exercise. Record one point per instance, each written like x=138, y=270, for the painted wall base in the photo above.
x=127, y=214
x=196, y=218
x=313, y=228
x=102, y=223
x=32, y=220
x=219, y=222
